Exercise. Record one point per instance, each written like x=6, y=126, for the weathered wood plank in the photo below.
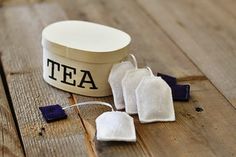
x=96, y=11
x=228, y=5
x=88, y=114
x=206, y=133
x=205, y=126
x=151, y=46
x=12, y=2
x=20, y=34
x=210, y=132
x=205, y=33
x=187, y=136
x=9, y=140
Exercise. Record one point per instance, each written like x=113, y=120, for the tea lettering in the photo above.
x=67, y=74
x=87, y=81
x=53, y=68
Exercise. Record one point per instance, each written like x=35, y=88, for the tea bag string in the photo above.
x=90, y=103
x=134, y=61
x=150, y=70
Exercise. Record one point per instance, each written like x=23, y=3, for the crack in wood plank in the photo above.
x=90, y=144
x=8, y=97
x=143, y=144
x=192, y=78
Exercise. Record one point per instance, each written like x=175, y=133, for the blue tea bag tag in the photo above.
x=53, y=113
x=180, y=92
x=170, y=80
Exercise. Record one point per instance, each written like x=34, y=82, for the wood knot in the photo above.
x=199, y=109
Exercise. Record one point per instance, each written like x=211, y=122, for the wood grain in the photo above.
x=193, y=133
x=205, y=126
x=205, y=33
x=150, y=45
x=20, y=34
x=9, y=140
x=159, y=43
x=12, y=2
x=206, y=133
x=227, y=5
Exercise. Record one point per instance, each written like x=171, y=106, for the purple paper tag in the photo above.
x=53, y=113
x=170, y=80
x=180, y=92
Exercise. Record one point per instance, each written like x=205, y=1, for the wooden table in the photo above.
x=192, y=40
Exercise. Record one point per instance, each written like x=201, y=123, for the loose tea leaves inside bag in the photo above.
x=129, y=83
x=117, y=73
x=115, y=126
x=154, y=100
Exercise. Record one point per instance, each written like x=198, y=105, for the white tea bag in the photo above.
x=129, y=83
x=117, y=73
x=112, y=125
x=115, y=126
x=154, y=100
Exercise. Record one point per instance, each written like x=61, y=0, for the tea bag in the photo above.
x=179, y=92
x=129, y=83
x=112, y=125
x=154, y=100
x=117, y=73
x=170, y=80
x=115, y=126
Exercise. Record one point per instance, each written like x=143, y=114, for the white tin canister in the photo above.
x=78, y=56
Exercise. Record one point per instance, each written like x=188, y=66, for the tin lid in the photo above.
x=86, y=41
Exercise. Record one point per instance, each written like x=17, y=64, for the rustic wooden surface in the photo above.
x=9, y=140
x=22, y=59
x=208, y=40
x=192, y=40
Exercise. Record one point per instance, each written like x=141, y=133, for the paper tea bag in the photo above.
x=117, y=73
x=129, y=83
x=112, y=125
x=115, y=126
x=154, y=100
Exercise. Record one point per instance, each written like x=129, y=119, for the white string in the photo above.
x=90, y=103
x=150, y=70
x=134, y=60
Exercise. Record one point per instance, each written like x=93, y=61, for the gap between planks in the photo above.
x=89, y=125
x=90, y=145
x=9, y=101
